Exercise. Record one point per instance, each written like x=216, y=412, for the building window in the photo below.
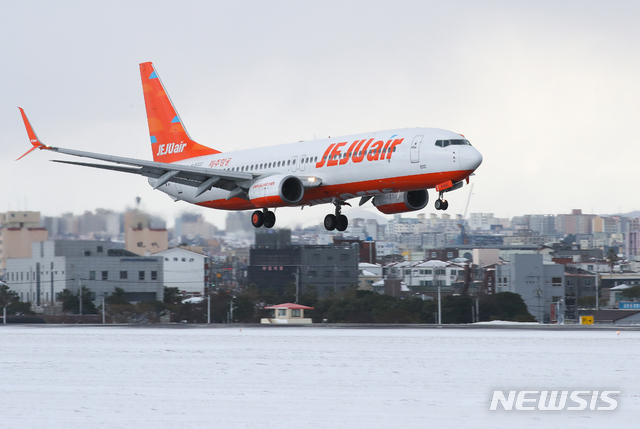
x=313, y=273
x=92, y=275
x=328, y=273
x=295, y=313
x=449, y=254
x=140, y=275
x=315, y=257
x=344, y=256
x=105, y=275
x=556, y=281
x=99, y=249
x=282, y=312
x=124, y=275
x=87, y=253
x=154, y=275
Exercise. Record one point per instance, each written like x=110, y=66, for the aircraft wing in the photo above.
x=201, y=178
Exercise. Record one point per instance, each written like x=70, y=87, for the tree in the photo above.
x=612, y=258
x=172, y=296
x=631, y=293
x=504, y=306
x=71, y=303
x=117, y=297
x=7, y=297
x=587, y=302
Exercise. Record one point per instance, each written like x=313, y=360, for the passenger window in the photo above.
x=288, y=162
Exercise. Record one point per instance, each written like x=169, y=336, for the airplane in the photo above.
x=393, y=169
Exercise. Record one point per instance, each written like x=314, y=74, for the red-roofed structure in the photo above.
x=288, y=313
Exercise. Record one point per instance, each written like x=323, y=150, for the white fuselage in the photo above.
x=347, y=167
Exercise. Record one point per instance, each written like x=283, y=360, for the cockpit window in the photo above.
x=462, y=142
x=458, y=142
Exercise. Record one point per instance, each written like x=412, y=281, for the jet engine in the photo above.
x=276, y=191
x=401, y=202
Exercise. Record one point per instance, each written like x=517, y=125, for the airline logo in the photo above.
x=357, y=151
x=165, y=149
x=223, y=162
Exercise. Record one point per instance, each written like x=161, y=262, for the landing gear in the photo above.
x=336, y=221
x=269, y=219
x=263, y=218
x=441, y=203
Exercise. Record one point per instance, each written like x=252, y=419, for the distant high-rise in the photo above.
x=18, y=229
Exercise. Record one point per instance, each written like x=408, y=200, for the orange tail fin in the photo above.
x=170, y=141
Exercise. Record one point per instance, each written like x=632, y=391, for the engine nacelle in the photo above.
x=401, y=202
x=276, y=191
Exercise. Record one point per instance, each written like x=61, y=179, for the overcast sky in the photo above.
x=548, y=91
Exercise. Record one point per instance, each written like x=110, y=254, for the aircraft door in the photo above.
x=294, y=163
x=415, y=149
x=303, y=162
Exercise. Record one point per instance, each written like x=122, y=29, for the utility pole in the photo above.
x=439, y=306
x=209, y=307
x=597, y=292
x=80, y=294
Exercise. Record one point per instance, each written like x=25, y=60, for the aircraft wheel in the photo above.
x=342, y=222
x=330, y=222
x=257, y=219
x=269, y=219
x=438, y=204
x=445, y=205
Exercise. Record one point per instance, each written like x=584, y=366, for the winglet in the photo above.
x=33, y=138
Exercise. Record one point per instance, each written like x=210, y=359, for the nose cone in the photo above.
x=470, y=158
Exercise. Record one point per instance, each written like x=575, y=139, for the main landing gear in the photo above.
x=337, y=221
x=263, y=218
x=441, y=203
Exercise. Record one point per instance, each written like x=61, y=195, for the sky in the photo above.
x=547, y=91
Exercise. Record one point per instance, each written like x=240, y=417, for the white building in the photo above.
x=185, y=269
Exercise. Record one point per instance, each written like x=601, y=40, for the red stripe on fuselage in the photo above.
x=318, y=195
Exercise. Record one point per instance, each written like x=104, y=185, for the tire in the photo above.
x=342, y=223
x=257, y=219
x=445, y=205
x=438, y=204
x=269, y=219
x=330, y=222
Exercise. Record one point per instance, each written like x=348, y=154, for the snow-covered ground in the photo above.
x=129, y=377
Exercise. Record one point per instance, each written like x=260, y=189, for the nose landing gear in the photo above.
x=441, y=203
x=337, y=221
